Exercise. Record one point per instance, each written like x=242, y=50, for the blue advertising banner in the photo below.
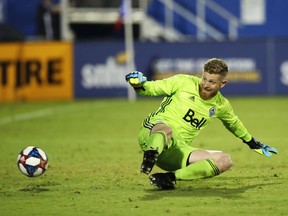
x=100, y=68
x=246, y=61
x=281, y=64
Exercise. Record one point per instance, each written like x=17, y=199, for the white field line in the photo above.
x=26, y=116
x=46, y=112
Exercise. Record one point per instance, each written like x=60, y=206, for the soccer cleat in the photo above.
x=149, y=159
x=164, y=181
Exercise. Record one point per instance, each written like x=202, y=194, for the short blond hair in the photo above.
x=216, y=66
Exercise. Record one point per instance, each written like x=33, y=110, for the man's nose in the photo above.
x=206, y=84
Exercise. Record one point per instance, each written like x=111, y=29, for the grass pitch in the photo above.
x=94, y=162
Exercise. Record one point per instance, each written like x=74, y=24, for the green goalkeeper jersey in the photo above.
x=186, y=112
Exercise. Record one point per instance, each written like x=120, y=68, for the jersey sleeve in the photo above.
x=233, y=123
x=163, y=87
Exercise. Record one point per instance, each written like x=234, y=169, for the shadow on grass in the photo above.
x=222, y=192
x=38, y=188
x=34, y=189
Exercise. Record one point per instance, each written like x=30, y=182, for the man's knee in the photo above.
x=223, y=161
x=163, y=128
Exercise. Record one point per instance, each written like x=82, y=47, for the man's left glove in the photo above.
x=136, y=79
x=261, y=148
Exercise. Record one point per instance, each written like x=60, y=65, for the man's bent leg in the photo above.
x=156, y=142
x=204, y=164
x=221, y=159
x=197, y=170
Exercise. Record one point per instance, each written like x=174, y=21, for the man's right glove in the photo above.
x=136, y=79
x=261, y=148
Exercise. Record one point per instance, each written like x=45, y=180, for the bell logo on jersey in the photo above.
x=189, y=117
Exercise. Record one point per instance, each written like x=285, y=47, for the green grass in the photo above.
x=94, y=162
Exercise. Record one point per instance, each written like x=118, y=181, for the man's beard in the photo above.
x=206, y=95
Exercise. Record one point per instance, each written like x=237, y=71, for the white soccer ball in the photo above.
x=32, y=161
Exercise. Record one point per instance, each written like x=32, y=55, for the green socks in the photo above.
x=157, y=141
x=197, y=170
x=200, y=169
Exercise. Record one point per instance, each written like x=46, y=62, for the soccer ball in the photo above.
x=32, y=161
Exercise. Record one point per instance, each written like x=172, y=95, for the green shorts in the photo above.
x=172, y=158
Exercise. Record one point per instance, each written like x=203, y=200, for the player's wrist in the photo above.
x=139, y=88
x=253, y=143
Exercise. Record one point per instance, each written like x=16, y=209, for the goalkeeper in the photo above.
x=189, y=105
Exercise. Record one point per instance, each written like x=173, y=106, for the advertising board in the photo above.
x=36, y=71
x=100, y=68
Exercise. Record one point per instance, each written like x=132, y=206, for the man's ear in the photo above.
x=223, y=83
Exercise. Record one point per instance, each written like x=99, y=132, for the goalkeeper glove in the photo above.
x=261, y=148
x=136, y=79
